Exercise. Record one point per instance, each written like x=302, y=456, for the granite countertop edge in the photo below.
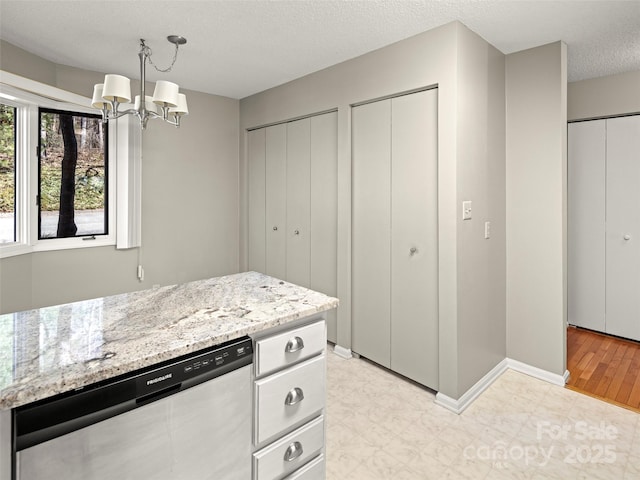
x=292, y=304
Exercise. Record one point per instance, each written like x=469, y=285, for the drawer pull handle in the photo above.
x=293, y=451
x=294, y=344
x=294, y=396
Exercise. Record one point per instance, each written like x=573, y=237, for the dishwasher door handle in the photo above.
x=155, y=396
x=295, y=395
x=293, y=451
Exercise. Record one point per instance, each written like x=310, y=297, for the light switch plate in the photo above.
x=487, y=229
x=466, y=210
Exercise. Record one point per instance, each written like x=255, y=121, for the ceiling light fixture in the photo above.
x=167, y=103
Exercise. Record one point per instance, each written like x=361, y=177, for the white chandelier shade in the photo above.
x=181, y=108
x=165, y=94
x=166, y=103
x=97, y=101
x=116, y=89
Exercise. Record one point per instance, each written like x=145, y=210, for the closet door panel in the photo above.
x=623, y=227
x=371, y=223
x=298, y=201
x=256, y=194
x=276, y=200
x=414, y=237
x=324, y=210
x=586, y=224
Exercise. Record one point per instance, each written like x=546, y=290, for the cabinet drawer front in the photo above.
x=314, y=470
x=287, y=348
x=290, y=452
x=288, y=397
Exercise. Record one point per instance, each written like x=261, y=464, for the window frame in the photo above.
x=27, y=96
x=107, y=207
x=15, y=162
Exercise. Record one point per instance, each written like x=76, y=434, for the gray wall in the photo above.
x=470, y=77
x=604, y=96
x=189, y=205
x=536, y=206
x=480, y=178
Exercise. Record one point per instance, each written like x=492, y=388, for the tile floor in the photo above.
x=380, y=426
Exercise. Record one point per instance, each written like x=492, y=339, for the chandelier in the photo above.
x=167, y=103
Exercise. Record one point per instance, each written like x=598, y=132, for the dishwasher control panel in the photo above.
x=199, y=367
x=216, y=359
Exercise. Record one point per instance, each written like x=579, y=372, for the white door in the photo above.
x=298, y=201
x=586, y=224
x=256, y=199
x=276, y=201
x=371, y=231
x=394, y=235
x=324, y=211
x=414, y=237
x=623, y=227
x=292, y=181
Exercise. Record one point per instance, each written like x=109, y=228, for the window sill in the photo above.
x=12, y=250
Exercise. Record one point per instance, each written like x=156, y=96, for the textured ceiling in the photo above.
x=237, y=48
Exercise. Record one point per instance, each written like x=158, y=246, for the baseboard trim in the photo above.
x=538, y=373
x=342, y=352
x=460, y=405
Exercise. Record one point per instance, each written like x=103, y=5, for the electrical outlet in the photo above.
x=466, y=210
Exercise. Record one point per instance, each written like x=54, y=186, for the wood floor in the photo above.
x=605, y=367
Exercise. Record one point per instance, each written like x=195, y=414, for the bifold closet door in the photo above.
x=324, y=211
x=586, y=224
x=414, y=237
x=623, y=227
x=292, y=181
x=395, y=233
x=256, y=199
x=276, y=201
x=298, y=249
x=371, y=231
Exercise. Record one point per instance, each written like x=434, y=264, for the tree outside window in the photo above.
x=72, y=171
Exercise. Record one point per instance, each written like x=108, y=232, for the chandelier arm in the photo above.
x=111, y=115
x=175, y=123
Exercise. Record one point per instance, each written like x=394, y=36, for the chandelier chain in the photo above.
x=148, y=52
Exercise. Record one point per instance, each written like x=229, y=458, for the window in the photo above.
x=32, y=199
x=72, y=175
x=7, y=173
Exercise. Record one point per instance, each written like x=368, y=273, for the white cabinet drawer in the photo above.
x=281, y=350
x=314, y=470
x=290, y=452
x=288, y=397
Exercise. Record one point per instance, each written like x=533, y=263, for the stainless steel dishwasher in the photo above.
x=189, y=419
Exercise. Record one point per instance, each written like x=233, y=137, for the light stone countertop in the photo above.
x=51, y=350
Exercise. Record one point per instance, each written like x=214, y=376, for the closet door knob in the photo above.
x=297, y=232
x=413, y=251
x=275, y=229
x=627, y=237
